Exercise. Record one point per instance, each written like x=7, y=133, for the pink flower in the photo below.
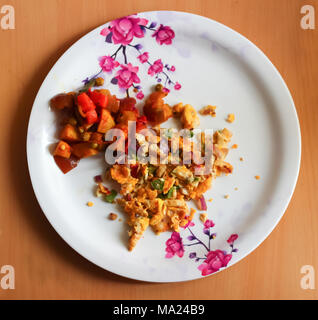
x=105, y=32
x=214, y=261
x=208, y=224
x=177, y=86
x=127, y=75
x=173, y=68
x=107, y=63
x=174, y=246
x=140, y=95
x=164, y=35
x=125, y=29
x=166, y=90
x=232, y=238
x=143, y=57
x=156, y=67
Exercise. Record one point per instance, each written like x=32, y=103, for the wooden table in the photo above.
x=45, y=266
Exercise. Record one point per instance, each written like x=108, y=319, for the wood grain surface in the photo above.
x=46, y=267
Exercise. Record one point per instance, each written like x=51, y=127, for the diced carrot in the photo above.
x=80, y=111
x=106, y=122
x=91, y=116
x=113, y=104
x=85, y=102
x=83, y=150
x=62, y=150
x=96, y=137
x=62, y=101
x=69, y=133
x=126, y=116
x=99, y=99
x=66, y=164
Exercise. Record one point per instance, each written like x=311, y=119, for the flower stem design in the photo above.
x=148, y=28
x=88, y=80
x=199, y=241
x=124, y=53
x=114, y=55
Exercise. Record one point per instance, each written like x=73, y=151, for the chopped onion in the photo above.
x=98, y=179
x=128, y=197
x=202, y=204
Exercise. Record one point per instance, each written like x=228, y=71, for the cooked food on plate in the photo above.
x=155, y=186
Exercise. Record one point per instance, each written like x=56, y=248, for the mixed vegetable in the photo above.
x=88, y=115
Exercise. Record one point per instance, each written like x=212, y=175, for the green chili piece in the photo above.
x=157, y=184
x=111, y=197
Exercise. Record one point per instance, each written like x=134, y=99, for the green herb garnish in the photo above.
x=157, y=184
x=111, y=197
x=170, y=192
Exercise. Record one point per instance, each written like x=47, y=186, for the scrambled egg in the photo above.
x=187, y=115
x=208, y=110
x=156, y=196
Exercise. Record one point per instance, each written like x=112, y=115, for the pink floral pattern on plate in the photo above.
x=213, y=260
x=123, y=33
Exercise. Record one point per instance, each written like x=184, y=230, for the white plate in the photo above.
x=215, y=65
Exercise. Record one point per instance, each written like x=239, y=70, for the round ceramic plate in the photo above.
x=201, y=62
